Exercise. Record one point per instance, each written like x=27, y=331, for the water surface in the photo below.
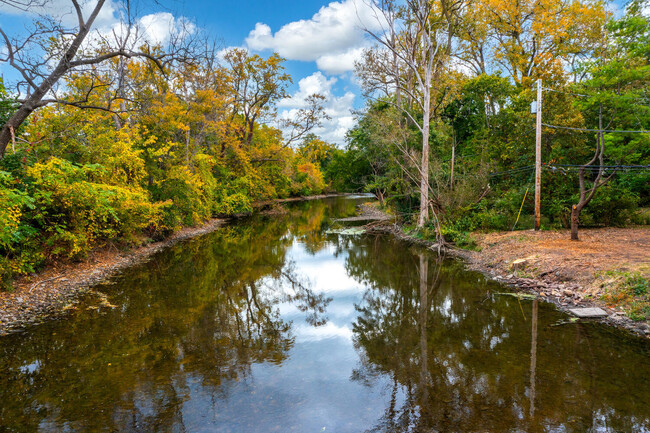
x=273, y=325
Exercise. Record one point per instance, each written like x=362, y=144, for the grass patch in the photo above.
x=629, y=291
x=462, y=239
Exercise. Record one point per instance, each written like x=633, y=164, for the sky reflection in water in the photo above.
x=272, y=325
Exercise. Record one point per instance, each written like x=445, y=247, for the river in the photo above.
x=275, y=323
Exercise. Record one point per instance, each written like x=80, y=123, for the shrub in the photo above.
x=234, y=204
x=630, y=291
x=75, y=211
x=307, y=178
x=15, y=233
x=192, y=192
x=611, y=205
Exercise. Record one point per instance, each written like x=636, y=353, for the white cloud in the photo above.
x=107, y=15
x=306, y=333
x=221, y=54
x=614, y=9
x=64, y=11
x=339, y=63
x=159, y=27
x=337, y=107
x=314, y=83
x=333, y=37
x=155, y=28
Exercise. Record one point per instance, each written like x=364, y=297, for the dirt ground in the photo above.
x=57, y=287
x=608, y=268
x=553, y=255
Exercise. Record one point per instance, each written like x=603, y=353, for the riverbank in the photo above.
x=51, y=292
x=58, y=287
x=608, y=268
x=598, y=271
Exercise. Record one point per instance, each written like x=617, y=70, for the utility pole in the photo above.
x=538, y=157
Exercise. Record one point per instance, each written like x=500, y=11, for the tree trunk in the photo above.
x=424, y=166
x=380, y=196
x=586, y=196
x=424, y=177
x=575, y=215
x=14, y=122
x=39, y=92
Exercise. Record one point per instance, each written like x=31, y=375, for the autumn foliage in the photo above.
x=175, y=148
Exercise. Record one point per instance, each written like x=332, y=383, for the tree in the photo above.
x=378, y=138
x=51, y=50
x=257, y=84
x=617, y=89
x=304, y=120
x=416, y=44
x=586, y=196
x=530, y=38
x=7, y=104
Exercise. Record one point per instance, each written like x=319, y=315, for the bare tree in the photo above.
x=587, y=195
x=51, y=50
x=413, y=47
x=305, y=119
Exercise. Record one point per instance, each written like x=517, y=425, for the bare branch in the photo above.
x=51, y=51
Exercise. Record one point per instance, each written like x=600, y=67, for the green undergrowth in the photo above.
x=629, y=291
x=56, y=210
x=463, y=240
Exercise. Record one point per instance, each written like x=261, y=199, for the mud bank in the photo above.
x=566, y=277
x=58, y=287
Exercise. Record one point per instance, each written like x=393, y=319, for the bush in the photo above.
x=75, y=211
x=611, y=205
x=192, y=192
x=307, y=178
x=65, y=210
x=15, y=233
x=234, y=204
x=641, y=217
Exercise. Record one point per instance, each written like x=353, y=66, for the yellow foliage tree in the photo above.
x=530, y=38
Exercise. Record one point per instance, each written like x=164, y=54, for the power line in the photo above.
x=594, y=130
x=645, y=167
x=513, y=171
x=636, y=98
x=566, y=93
x=566, y=167
x=595, y=168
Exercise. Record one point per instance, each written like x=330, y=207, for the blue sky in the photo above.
x=232, y=21
x=320, y=41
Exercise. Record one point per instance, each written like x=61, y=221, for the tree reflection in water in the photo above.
x=459, y=360
x=209, y=336
x=200, y=313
